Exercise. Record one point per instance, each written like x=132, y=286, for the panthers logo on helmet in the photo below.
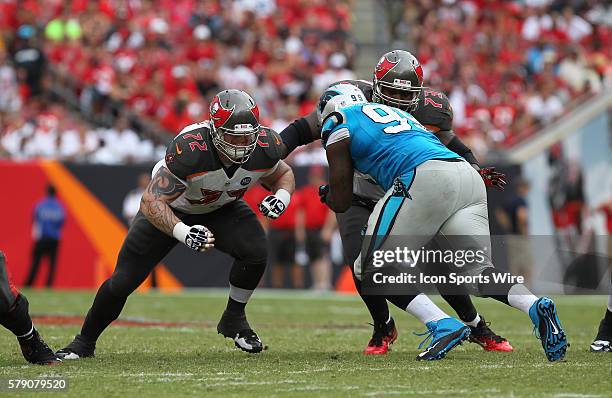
x=219, y=114
x=384, y=66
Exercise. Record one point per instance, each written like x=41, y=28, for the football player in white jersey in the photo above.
x=195, y=198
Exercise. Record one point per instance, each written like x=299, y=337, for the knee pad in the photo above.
x=246, y=275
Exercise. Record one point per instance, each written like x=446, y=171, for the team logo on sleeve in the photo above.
x=384, y=66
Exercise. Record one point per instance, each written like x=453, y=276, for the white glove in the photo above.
x=195, y=237
x=274, y=205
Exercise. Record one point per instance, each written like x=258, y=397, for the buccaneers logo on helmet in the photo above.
x=384, y=66
x=218, y=113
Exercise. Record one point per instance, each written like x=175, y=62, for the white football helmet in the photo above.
x=337, y=97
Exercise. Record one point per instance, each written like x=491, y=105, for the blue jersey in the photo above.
x=385, y=142
x=48, y=219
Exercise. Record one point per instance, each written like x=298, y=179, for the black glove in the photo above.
x=323, y=191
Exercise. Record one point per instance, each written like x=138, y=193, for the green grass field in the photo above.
x=315, y=346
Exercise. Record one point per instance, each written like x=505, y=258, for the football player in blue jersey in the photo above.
x=397, y=81
x=430, y=192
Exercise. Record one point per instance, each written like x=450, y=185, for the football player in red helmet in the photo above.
x=398, y=81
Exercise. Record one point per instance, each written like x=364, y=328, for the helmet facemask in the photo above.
x=236, y=144
x=400, y=94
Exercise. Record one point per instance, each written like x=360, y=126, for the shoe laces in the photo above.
x=430, y=333
x=483, y=329
x=36, y=344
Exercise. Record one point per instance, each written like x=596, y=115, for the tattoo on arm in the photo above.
x=163, y=189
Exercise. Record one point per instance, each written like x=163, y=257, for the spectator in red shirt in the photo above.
x=311, y=220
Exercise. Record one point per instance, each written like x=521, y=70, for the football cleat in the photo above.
x=487, y=339
x=77, y=349
x=236, y=327
x=36, y=351
x=603, y=340
x=445, y=334
x=384, y=335
x=547, y=327
x=601, y=346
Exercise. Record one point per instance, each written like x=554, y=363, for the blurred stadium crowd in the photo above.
x=510, y=67
x=132, y=71
x=158, y=61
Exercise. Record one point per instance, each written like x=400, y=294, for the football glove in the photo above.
x=274, y=205
x=493, y=178
x=323, y=191
x=195, y=237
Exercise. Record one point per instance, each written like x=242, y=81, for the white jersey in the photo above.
x=192, y=158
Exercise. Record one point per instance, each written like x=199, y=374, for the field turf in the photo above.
x=170, y=347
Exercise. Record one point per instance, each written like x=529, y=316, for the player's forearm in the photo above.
x=282, y=178
x=159, y=213
x=300, y=132
x=154, y=204
x=455, y=144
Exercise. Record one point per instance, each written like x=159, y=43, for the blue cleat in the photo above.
x=546, y=324
x=445, y=335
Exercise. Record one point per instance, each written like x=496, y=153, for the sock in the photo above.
x=104, y=310
x=463, y=306
x=388, y=320
x=521, y=298
x=18, y=320
x=377, y=305
x=608, y=317
x=28, y=335
x=610, y=297
x=474, y=322
x=425, y=310
x=235, y=306
x=402, y=301
x=244, y=278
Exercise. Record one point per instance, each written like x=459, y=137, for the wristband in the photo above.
x=284, y=196
x=180, y=231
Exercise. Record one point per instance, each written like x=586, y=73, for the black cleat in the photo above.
x=36, y=351
x=236, y=327
x=78, y=348
x=488, y=339
x=603, y=341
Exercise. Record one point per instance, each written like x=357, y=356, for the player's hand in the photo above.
x=272, y=207
x=195, y=237
x=323, y=191
x=493, y=178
